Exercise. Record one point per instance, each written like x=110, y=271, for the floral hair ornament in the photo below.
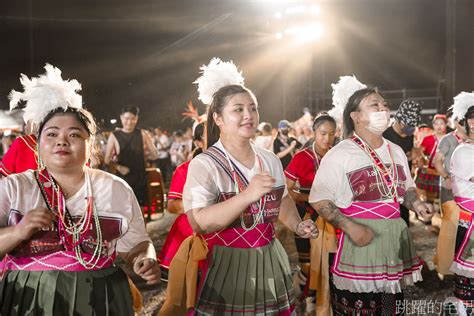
x=215, y=75
x=462, y=102
x=44, y=94
x=341, y=92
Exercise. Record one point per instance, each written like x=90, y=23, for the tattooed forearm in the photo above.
x=410, y=199
x=331, y=213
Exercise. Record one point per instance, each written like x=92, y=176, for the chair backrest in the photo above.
x=156, y=190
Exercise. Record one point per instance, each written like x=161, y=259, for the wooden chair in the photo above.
x=156, y=192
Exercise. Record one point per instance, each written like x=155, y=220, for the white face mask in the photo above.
x=378, y=122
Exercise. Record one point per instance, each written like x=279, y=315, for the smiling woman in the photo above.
x=62, y=225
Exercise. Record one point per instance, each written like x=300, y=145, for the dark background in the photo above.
x=148, y=53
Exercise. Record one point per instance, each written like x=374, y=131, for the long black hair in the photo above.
x=353, y=106
x=219, y=101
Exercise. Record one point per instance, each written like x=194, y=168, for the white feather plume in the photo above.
x=44, y=94
x=215, y=76
x=341, y=92
x=462, y=102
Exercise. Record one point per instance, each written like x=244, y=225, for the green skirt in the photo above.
x=101, y=292
x=247, y=281
x=388, y=264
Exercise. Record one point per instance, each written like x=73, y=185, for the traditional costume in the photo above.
x=181, y=228
x=462, y=173
x=445, y=251
x=247, y=269
x=302, y=169
x=428, y=179
x=21, y=156
x=368, y=186
x=56, y=273
x=68, y=268
x=443, y=258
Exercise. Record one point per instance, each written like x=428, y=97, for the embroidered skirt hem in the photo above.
x=388, y=264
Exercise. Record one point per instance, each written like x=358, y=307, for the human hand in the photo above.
x=360, y=235
x=148, y=269
x=36, y=219
x=307, y=229
x=424, y=210
x=123, y=170
x=260, y=185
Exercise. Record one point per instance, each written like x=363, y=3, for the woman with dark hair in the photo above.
x=181, y=228
x=299, y=178
x=462, y=178
x=234, y=193
x=358, y=189
x=428, y=178
x=62, y=225
x=126, y=151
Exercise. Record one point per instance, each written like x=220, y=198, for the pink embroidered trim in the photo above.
x=260, y=236
x=467, y=205
x=61, y=260
x=373, y=210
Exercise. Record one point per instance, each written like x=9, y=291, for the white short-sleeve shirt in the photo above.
x=206, y=180
x=462, y=170
x=346, y=175
x=117, y=206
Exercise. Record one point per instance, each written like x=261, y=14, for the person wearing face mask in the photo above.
x=358, y=188
x=407, y=118
x=284, y=146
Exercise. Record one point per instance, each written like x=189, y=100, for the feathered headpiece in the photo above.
x=215, y=76
x=462, y=102
x=44, y=94
x=341, y=92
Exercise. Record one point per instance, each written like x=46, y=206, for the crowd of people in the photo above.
x=344, y=183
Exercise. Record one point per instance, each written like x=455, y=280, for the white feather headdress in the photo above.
x=44, y=94
x=462, y=102
x=341, y=92
x=215, y=76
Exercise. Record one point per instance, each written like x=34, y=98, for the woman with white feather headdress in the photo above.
x=233, y=194
x=358, y=189
x=62, y=225
x=462, y=180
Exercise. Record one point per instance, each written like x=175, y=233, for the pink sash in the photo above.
x=373, y=210
x=260, y=236
x=61, y=260
x=464, y=254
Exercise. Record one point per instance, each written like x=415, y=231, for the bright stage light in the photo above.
x=315, y=10
x=279, y=35
x=300, y=9
x=305, y=33
x=113, y=121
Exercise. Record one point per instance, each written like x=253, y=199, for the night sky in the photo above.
x=148, y=53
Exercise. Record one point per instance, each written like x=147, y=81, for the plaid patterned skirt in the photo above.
x=429, y=180
x=247, y=281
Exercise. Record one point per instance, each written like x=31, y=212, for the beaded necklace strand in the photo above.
x=73, y=234
x=239, y=187
x=386, y=177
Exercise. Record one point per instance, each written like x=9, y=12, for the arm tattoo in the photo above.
x=410, y=198
x=332, y=214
